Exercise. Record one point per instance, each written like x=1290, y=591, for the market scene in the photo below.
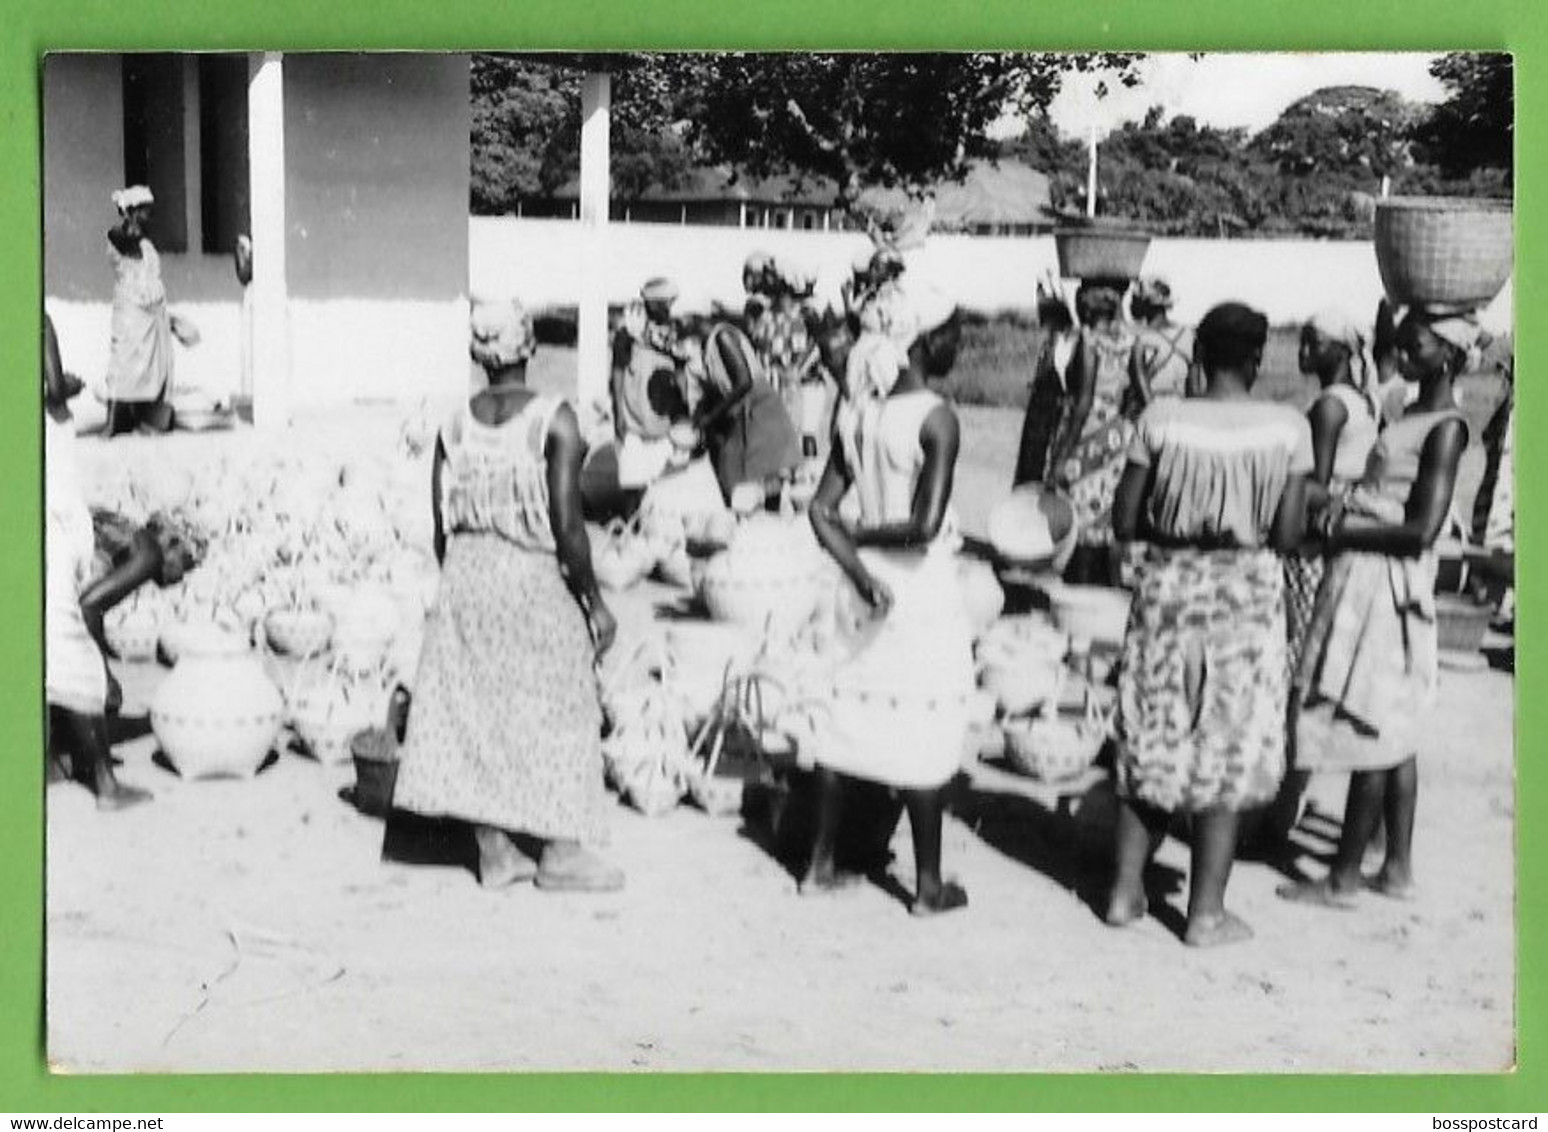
x=965, y=597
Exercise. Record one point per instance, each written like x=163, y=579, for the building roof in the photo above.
x=721, y=183
x=1006, y=192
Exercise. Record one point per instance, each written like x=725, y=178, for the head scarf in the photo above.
x=1336, y=326
x=659, y=290
x=133, y=197
x=798, y=278
x=1459, y=328
x=1154, y=292
x=502, y=333
x=1098, y=300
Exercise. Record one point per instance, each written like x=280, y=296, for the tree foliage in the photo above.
x=1474, y=129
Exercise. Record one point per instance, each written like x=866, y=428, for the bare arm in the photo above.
x=831, y=533
x=741, y=384
x=1328, y=417
x=565, y=452
x=1429, y=503
x=1289, y=527
x=1138, y=378
x=1129, y=501
x=940, y=437
x=435, y=500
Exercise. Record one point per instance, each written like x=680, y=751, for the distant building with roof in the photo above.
x=1006, y=198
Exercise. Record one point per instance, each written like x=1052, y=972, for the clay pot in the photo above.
x=217, y=715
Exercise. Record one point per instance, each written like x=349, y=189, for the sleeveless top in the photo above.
x=890, y=459
x=495, y=478
x=715, y=372
x=1394, y=462
x=1219, y=467
x=1357, y=437
x=1165, y=356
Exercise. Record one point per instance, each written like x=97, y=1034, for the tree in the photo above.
x=526, y=133
x=859, y=120
x=1474, y=129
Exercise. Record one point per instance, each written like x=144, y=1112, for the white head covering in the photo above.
x=132, y=197
x=1338, y=326
x=502, y=333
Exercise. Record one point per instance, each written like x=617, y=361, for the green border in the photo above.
x=34, y=26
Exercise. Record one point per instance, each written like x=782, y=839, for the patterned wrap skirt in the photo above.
x=1094, y=471
x=507, y=724
x=1203, y=685
x=1370, y=664
x=1303, y=577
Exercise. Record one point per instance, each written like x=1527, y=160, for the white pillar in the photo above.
x=270, y=292
x=1091, y=175
x=592, y=354
x=741, y=216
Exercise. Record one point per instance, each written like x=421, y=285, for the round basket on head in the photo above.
x=1444, y=250
x=1101, y=253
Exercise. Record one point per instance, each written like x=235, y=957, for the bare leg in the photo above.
x=1214, y=851
x=1367, y=794
x=822, y=874
x=91, y=756
x=1396, y=876
x=567, y=866
x=1139, y=834
x=926, y=810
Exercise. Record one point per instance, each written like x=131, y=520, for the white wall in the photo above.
x=1290, y=280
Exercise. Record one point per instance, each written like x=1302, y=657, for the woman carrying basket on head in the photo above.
x=1371, y=655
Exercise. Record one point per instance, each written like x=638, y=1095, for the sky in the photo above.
x=1227, y=90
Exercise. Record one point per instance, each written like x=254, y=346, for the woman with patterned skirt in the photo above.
x=1344, y=426
x=1215, y=486
x=1087, y=458
x=506, y=728
x=1371, y=656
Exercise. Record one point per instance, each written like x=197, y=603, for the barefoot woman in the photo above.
x=1215, y=486
x=76, y=678
x=506, y=728
x=1371, y=653
x=897, y=710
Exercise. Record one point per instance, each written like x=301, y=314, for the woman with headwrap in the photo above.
x=1344, y=424
x=1215, y=487
x=784, y=346
x=896, y=711
x=139, y=374
x=1370, y=659
x=1088, y=455
x=740, y=416
x=1162, y=362
x=506, y=728
x=647, y=386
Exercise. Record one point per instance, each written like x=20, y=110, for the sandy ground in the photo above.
x=254, y=926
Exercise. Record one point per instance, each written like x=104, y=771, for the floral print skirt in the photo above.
x=506, y=724
x=1203, y=683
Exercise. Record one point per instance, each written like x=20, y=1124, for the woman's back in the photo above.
x=495, y=478
x=1219, y=467
x=1165, y=356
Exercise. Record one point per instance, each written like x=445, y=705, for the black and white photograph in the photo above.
x=779, y=562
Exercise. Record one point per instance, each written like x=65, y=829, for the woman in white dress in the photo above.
x=895, y=712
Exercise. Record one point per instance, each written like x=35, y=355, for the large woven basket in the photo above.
x=1101, y=253
x=1444, y=250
